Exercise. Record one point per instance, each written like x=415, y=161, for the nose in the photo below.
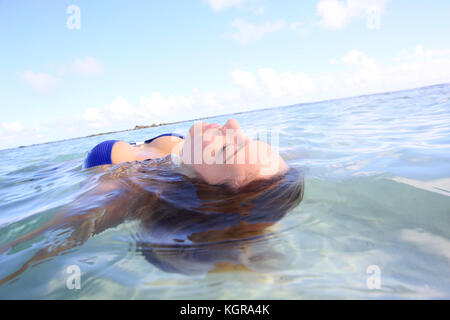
x=232, y=124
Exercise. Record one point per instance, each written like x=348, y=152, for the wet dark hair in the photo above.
x=186, y=226
x=186, y=207
x=186, y=212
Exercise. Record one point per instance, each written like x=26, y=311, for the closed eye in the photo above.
x=237, y=149
x=223, y=149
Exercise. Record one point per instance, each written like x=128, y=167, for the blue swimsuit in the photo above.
x=101, y=153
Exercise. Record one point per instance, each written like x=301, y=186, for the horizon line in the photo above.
x=140, y=127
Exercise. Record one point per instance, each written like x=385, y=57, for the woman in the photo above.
x=216, y=185
x=217, y=154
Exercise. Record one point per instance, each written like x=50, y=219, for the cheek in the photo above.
x=212, y=150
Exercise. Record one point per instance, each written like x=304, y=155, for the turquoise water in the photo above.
x=377, y=197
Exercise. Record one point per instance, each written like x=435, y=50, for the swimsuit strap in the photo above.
x=165, y=134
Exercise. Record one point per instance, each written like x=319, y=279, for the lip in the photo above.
x=212, y=126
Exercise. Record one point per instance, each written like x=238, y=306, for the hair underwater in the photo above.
x=187, y=225
x=183, y=206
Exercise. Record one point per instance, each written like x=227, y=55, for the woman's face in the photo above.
x=224, y=154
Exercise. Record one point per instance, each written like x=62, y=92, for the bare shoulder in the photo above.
x=168, y=144
x=123, y=152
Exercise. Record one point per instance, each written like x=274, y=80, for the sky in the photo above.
x=73, y=68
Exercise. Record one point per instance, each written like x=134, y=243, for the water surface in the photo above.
x=377, y=193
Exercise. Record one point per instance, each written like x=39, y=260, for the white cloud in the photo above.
x=45, y=83
x=88, y=66
x=332, y=61
x=40, y=82
x=420, y=52
x=92, y=114
x=285, y=83
x=359, y=58
x=218, y=5
x=356, y=73
x=246, y=81
x=248, y=32
x=120, y=109
x=118, y=112
x=266, y=87
x=12, y=126
x=156, y=108
x=157, y=105
x=359, y=74
x=336, y=14
x=14, y=134
x=333, y=12
x=412, y=69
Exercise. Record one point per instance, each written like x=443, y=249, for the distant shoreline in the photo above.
x=139, y=127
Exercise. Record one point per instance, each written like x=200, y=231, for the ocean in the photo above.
x=374, y=222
